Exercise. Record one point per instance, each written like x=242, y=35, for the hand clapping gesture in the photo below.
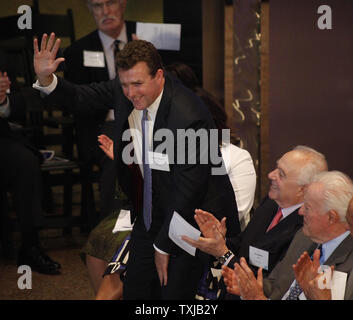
x=4, y=86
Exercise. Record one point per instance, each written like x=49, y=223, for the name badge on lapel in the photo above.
x=258, y=257
x=158, y=161
x=93, y=59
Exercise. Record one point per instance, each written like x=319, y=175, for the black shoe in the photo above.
x=38, y=261
x=47, y=258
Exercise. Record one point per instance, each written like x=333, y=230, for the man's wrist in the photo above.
x=45, y=81
x=226, y=257
x=48, y=89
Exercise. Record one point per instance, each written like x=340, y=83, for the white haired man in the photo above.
x=275, y=221
x=325, y=205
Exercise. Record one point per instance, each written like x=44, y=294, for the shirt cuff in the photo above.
x=49, y=89
x=159, y=250
x=5, y=109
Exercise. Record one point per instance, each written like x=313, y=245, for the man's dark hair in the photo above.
x=139, y=51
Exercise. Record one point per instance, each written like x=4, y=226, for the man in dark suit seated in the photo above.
x=92, y=59
x=20, y=174
x=145, y=97
x=324, y=236
x=273, y=224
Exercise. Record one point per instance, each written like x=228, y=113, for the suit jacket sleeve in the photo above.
x=84, y=99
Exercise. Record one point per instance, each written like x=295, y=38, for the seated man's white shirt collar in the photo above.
x=287, y=211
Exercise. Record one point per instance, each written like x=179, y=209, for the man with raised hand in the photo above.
x=144, y=96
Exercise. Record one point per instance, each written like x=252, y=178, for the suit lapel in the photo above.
x=342, y=251
x=130, y=29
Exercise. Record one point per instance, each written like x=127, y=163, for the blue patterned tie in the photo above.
x=147, y=180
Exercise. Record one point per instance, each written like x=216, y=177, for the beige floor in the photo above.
x=71, y=284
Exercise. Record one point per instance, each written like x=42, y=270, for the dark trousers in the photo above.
x=142, y=282
x=20, y=174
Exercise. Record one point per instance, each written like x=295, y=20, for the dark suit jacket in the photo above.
x=276, y=241
x=185, y=187
x=282, y=276
x=18, y=109
x=349, y=288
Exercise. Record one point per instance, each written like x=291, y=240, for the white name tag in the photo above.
x=158, y=161
x=93, y=59
x=258, y=257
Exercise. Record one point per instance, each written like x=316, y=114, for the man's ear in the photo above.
x=159, y=74
x=301, y=190
x=333, y=216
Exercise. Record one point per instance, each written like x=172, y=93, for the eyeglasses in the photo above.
x=100, y=6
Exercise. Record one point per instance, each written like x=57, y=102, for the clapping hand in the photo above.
x=4, y=86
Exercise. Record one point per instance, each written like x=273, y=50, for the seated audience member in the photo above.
x=274, y=222
x=308, y=278
x=324, y=234
x=238, y=163
x=20, y=174
x=111, y=35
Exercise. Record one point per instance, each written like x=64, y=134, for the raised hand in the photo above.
x=107, y=145
x=45, y=62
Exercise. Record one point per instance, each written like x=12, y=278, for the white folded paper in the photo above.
x=180, y=227
x=165, y=36
x=123, y=223
x=338, y=286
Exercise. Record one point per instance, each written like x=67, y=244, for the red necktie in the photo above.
x=276, y=219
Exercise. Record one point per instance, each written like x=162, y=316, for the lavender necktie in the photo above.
x=147, y=180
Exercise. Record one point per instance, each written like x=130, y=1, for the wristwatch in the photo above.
x=225, y=257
